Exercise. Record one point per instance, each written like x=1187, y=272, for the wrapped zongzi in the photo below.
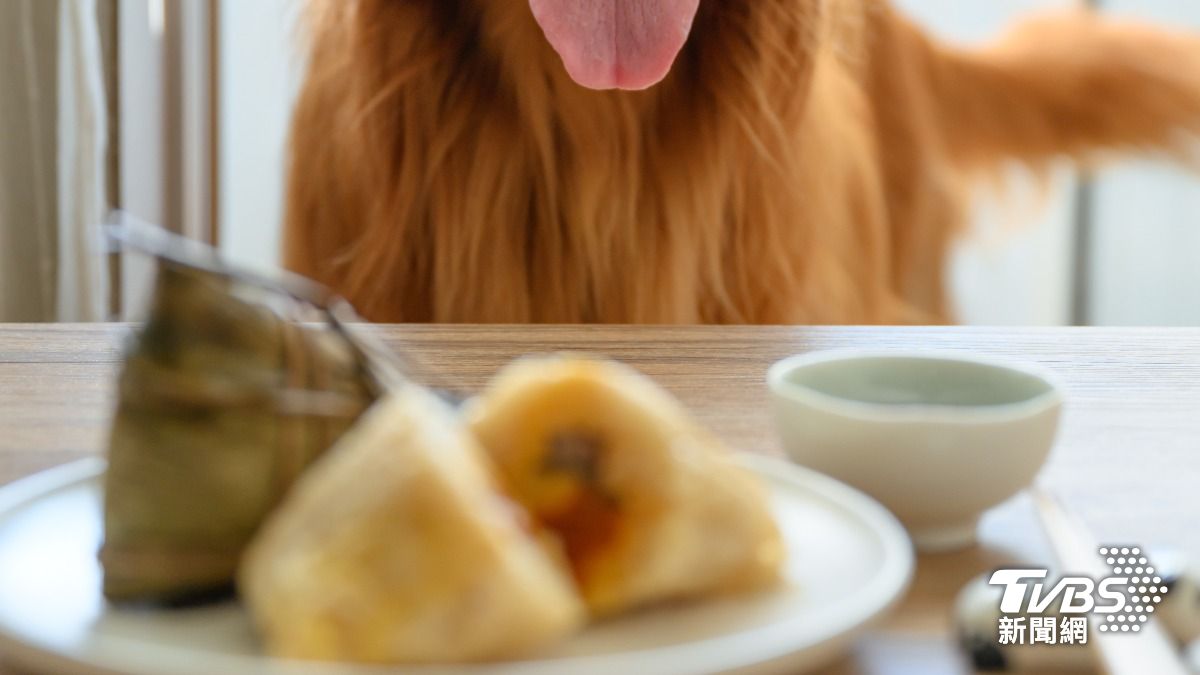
x=222, y=404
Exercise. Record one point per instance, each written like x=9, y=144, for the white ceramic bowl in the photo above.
x=937, y=438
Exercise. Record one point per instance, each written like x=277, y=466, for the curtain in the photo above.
x=53, y=161
x=27, y=150
x=82, y=288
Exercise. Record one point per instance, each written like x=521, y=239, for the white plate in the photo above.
x=849, y=560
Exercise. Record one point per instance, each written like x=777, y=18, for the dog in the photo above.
x=686, y=161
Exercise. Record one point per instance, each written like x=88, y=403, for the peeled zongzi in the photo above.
x=649, y=505
x=397, y=547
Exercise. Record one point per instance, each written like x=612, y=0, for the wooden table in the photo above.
x=1128, y=460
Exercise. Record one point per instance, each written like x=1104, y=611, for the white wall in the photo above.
x=1147, y=232
x=260, y=72
x=1147, y=247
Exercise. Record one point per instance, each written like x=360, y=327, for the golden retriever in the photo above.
x=803, y=161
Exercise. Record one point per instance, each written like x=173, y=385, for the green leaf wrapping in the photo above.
x=222, y=404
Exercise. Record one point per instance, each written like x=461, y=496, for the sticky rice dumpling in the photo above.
x=649, y=505
x=222, y=404
x=397, y=547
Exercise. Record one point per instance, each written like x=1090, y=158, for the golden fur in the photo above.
x=804, y=162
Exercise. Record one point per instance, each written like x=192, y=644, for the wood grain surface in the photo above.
x=1128, y=459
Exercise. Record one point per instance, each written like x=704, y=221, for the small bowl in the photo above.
x=937, y=438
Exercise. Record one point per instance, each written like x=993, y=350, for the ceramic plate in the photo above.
x=849, y=561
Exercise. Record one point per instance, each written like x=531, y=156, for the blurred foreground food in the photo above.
x=366, y=520
x=222, y=404
x=402, y=545
x=399, y=547
x=649, y=504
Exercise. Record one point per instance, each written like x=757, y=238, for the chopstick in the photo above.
x=1150, y=651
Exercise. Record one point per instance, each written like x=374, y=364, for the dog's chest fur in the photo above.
x=745, y=188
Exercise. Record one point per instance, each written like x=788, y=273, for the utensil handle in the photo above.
x=1150, y=651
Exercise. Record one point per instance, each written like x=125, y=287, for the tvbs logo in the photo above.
x=1123, y=602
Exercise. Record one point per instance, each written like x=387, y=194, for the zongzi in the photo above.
x=222, y=404
x=397, y=547
x=649, y=505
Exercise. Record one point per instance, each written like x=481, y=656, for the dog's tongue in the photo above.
x=616, y=44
